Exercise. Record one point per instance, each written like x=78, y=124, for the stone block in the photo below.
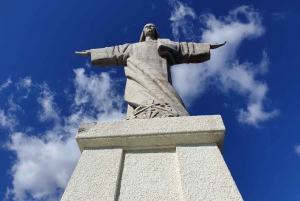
x=162, y=133
x=174, y=158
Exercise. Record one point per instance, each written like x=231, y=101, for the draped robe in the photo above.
x=148, y=91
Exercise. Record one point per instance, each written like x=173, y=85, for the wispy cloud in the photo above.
x=7, y=120
x=24, y=83
x=224, y=68
x=88, y=64
x=5, y=84
x=264, y=64
x=13, y=107
x=152, y=5
x=297, y=149
x=279, y=16
x=180, y=20
x=45, y=163
x=49, y=109
x=8, y=117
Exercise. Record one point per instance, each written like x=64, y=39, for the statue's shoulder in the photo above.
x=163, y=43
x=164, y=40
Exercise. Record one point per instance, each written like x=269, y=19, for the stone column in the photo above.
x=176, y=158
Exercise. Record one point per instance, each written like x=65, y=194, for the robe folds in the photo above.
x=147, y=68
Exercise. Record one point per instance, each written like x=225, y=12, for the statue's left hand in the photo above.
x=214, y=46
x=84, y=53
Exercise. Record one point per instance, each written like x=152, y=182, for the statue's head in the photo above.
x=149, y=30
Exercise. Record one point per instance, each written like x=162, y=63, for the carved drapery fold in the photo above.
x=150, y=109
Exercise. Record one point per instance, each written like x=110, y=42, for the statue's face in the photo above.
x=149, y=30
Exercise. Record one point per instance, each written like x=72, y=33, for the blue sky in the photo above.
x=46, y=91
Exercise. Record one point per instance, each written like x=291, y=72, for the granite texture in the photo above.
x=150, y=175
x=95, y=176
x=152, y=133
x=204, y=174
x=156, y=159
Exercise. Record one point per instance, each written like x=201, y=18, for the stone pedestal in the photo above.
x=174, y=158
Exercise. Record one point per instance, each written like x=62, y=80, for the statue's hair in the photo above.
x=143, y=38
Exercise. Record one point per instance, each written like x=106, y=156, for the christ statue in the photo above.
x=149, y=91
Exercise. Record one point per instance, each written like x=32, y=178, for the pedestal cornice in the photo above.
x=157, y=133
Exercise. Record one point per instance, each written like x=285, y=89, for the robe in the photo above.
x=149, y=92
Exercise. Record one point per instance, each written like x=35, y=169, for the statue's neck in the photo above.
x=149, y=38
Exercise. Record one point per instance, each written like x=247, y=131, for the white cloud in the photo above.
x=7, y=120
x=297, y=149
x=255, y=114
x=44, y=164
x=264, y=64
x=24, y=83
x=12, y=105
x=5, y=84
x=224, y=71
x=179, y=17
x=97, y=91
x=49, y=109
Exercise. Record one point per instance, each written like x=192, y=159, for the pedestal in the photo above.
x=174, y=158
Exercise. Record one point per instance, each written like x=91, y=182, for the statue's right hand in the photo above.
x=84, y=53
x=217, y=45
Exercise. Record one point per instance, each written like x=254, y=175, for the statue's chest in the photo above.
x=146, y=50
x=147, y=53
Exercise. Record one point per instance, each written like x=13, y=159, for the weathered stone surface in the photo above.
x=152, y=133
x=95, y=176
x=204, y=174
x=154, y=159
x=148, y=91
x=150, y=175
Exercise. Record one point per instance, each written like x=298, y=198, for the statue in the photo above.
x=149, y=92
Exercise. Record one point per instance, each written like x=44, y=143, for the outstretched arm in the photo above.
x=109, y=56
x=183, y=52
x=217, y=45
x=84, y=53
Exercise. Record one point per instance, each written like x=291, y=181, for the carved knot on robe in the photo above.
x=151, y=109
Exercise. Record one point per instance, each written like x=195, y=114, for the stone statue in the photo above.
x=149, y=92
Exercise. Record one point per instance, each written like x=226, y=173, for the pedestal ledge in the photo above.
x=157, y=133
